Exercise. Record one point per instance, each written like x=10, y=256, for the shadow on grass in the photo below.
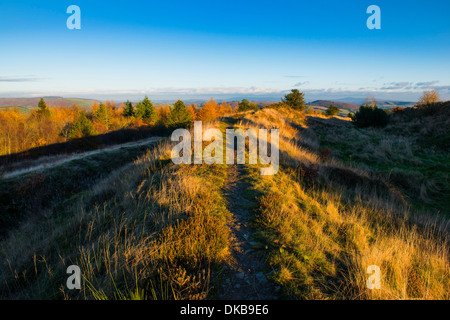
x=39, y=193
x=87, y=143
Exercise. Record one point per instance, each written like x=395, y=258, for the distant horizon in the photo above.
x=349, y=100
x=224, y=94
x=218, y=97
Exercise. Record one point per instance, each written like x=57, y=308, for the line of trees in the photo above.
x=178, y=115
x=45, y=125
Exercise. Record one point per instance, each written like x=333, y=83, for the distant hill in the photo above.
x=352, y=104
x=391, y=104
x=380, y=103
x=340, y=105
x=26, y=104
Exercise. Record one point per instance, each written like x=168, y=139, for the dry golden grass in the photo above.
x=150, y=230
x=323, y=235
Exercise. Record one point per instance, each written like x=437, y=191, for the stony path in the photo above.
x=245, y=278
x=53, y=161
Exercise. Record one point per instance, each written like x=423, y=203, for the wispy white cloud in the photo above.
x=294, y=76
x=397, y=85
x=301, y=83
x=411, y=85
x=426, y=84
x=18, y=79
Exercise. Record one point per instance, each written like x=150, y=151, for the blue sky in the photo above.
x=224, y=49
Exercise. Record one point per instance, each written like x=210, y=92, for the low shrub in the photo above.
x=332, y=111
x=370, y=116
x=397, y=109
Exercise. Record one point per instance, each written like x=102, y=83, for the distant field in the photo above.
x=26, y=104
x=342, y=111
x=345, y=108
x=20, y=108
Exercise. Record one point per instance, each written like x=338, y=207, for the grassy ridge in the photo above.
x=411, y=154
x=322, y=236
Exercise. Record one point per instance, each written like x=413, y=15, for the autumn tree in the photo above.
x=193, y=111
x=209, y=111
x=225, y=108
x=429, y=97
x=12, y=124
x=295, y=100
x=61, y=116
x=179, y=116
x=83, y=127
x=102, y=115
x=163, y=113
x=146, y=111
x=111, y=105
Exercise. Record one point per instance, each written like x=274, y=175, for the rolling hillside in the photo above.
x=340, y=105
x=25, y=104
x=353, y=104
x=380, y=103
